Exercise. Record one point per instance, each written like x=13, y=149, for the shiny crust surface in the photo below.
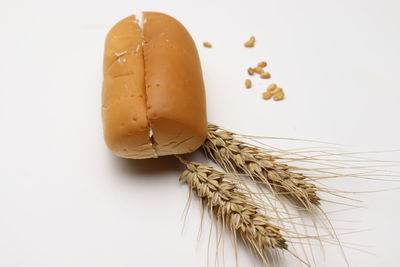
x=126, y=129
x=153, y=85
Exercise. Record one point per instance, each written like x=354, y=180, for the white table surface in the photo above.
x=66, y=201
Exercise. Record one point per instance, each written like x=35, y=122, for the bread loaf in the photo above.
x=153, y=90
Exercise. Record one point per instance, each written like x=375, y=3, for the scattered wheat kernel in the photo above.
x=279, y=96
x=267, y=95
x=247, y=83
x=272, y=87
x=276, y=91
x=250, y=71
x=258, y=70
x=250, y=42
x=207, y=44
x=262, y=64
x=265, y=75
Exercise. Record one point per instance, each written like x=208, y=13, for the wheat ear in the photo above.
x=234, y=155
x=231, y=206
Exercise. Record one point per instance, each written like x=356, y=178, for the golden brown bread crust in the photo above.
x=174, y=85
x=126, y=129
x=159, y=89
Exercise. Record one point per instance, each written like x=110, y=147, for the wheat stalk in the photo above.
x=231, y=206
x=234, y=155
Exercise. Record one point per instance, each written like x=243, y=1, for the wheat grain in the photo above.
x=258, y=70
x=207, y=44
x=247, y=83
x=279, y=96
x=266, y=95
x=250, y=42
x=265, y=75
x=272, y=87
x=234, y=155
x=262, y=64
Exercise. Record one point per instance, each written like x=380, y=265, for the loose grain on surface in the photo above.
x=247, y=83
x=265, y=75
x=251, y=42
x=207, y=44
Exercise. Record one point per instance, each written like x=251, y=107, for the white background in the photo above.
x=66, y=201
